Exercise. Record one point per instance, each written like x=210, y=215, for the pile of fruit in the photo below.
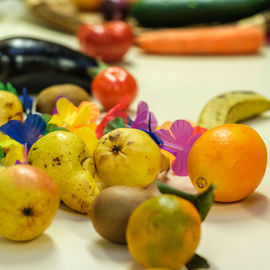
x=62, y=149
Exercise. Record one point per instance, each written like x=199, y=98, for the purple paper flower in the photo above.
x=142, y=118
x=178, y=141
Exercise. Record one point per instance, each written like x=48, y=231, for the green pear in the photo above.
x=65, y=157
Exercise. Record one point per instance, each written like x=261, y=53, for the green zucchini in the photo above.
x=173, y=13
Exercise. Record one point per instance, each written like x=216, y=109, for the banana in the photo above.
x=232, y=107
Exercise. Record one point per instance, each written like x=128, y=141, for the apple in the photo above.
x=29, y=200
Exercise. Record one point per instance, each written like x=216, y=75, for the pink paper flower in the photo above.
x=178, y=141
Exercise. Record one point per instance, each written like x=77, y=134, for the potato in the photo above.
x=112, y=208
x=45, y=101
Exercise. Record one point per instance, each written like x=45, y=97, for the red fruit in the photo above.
x=108, y=42
x=112, y=84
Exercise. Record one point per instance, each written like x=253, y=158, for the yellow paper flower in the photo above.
x=70, y=117
x=89, y=137
x=12, y=149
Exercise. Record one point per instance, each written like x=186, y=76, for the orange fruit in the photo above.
x=233, y=157
x=163, y=232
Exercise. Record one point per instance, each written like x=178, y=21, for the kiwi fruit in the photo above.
x=46, y=99
x=112, y=208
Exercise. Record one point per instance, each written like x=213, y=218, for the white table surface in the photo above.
x=234, y=236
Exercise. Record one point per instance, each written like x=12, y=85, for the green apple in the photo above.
x=29, y=200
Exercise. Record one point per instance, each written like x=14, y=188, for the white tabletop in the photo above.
x=234, y=236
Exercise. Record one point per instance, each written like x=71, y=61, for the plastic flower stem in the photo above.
x=172, y=146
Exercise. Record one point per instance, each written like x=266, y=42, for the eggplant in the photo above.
x=35, y=64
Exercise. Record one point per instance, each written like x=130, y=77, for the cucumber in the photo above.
x=173, y=13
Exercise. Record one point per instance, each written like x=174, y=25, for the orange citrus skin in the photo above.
x=163, y=232
x=233, y=157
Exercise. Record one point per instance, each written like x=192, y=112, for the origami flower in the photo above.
x=178, y=141
x=25, y=133
x=10, y=150
x=71, y=117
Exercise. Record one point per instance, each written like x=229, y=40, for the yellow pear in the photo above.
x=10, y=107
x=65, y=157
x=128, y=157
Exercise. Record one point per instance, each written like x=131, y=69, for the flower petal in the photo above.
x=181, y=130
x=95, y=112
x=82, y=116
x=27, y=102
x=199, y=130
x=142, y=119
x=89, y=137
x=166, y=125
x=55, y=111
x=179, y=165
x=15, y=130
x=12, y=149
x=34, y=128
x=66, y=112
x=117, y=111
x=141, y=116
x=165, y=135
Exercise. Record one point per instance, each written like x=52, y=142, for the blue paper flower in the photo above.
x=25, y=133
x=27, y=102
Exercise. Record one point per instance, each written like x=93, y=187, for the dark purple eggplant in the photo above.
x=35, y=64
x=115, y=9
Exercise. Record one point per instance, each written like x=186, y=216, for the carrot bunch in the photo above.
x=203, y=40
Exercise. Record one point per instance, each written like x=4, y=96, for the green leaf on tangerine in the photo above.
x=202, y=201
x=117, y=122
x=197, y=262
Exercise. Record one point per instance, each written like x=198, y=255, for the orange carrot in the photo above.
x=203, y=40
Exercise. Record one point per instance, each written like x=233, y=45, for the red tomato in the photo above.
x=109, y=42
x=112, y=84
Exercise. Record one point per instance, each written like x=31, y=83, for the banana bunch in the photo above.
x=232, y=107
